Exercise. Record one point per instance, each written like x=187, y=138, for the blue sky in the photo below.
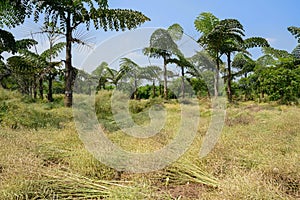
x=266, y=18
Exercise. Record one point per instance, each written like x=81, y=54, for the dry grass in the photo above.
x=257, y=157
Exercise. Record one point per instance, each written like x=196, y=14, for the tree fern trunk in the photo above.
x=50, y=95
x=68, y=64
x=216, y=81
x=165, y=79
x=41, y=88
x=153, y=85
x=229, y=89
x=182, y=83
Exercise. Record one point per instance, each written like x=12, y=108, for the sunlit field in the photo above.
x=42, y=157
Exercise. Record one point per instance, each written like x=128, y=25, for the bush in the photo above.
x=137, y=108
x=26, y=113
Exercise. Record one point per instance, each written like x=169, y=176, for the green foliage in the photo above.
x=22, y=72
x=296, y=52
x=255, y=42
x=276, y=53
x=176, y=32
x=276, y=83
x=68, y=15
x=200, y=87
x=295, y=31
x=13, y=12
x=29, y=114
x=161, y=45
x=7, y=42
x=206, y=22
x=266, y=60
x=243, y=63
x=58, y=87
x=145, y=92
x=281, y=84
x=85, y=12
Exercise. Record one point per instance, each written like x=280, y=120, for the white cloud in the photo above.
x=271, y=41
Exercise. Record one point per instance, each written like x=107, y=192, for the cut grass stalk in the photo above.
x=188, y=172
x=70, y=185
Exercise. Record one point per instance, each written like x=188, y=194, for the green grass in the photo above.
x=42, y=157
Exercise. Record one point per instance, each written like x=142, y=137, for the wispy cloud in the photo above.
x=271, y=41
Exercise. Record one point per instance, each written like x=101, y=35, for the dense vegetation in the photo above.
x=272, y=77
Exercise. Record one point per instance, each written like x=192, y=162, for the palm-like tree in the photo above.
x=224, y=37
x=9, y=44
x=244, y=64
x=24, y=74
x=68, y=15
x=162, y=46
x=47, y=67
x=205, y=23
x=13, y=12
x=237, y=44
x=152, y=73
x=134, y=72
x=183, y=63
x=203, y=68
x=100, y=75
x=114, y=76
x=296, y=32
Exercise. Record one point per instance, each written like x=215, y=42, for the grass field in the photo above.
x=42, y=157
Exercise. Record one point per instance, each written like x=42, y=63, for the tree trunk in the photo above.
x=229, y=89
x=34, y=88
x=216, y=81
x=160, y=90
x=41, y=88
x=68, y=64
x=182, y=83
x=135, y=87
x=153, y=85
x=50, y=94
x=165, y=79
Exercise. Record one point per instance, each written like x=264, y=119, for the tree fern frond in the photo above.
x=295, y=31
x=53, y=51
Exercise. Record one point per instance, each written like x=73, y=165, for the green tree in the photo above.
x=176, y=32
x=115, y=76
x=224, y=37
x=10, y=45
x=14, y=12
x=24, y=75
x=244, y=65
x=162, y=46
x=296, y=32
x=47, y=67
x=152, y=73
x=235, y=43
x=205, y=23
x=100, y=75
x=69, y=14
x=281, y=84
x=134, y=73
x=204, y=70
x=183, y=63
